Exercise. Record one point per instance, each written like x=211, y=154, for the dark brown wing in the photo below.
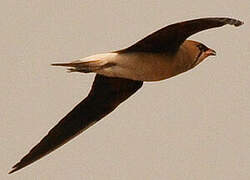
x=106, y=94
x=169, y=38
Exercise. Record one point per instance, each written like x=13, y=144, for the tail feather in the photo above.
x=71, y=64
x=84, y=70
x=84, y=66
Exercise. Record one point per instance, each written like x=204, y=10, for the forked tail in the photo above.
x=84, y=66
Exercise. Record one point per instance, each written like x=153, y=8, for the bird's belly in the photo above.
x=143, y=67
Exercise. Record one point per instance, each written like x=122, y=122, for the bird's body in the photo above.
x=139, y=66
x=136, y=66
x=161, y=55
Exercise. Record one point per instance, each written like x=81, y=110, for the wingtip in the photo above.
x=238, y=23
x=14, y=169
x=17, y=167
x=234, y=22
x=230, y=21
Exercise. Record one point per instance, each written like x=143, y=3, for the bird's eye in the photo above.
x=202, y=47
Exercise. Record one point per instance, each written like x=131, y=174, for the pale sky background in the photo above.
x=195, y=126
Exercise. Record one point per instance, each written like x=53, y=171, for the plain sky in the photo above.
x=195, y=126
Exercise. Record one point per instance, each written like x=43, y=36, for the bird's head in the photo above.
x=198, y=51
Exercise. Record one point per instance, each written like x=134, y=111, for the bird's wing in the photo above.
x=106, y=94
x=169, y=38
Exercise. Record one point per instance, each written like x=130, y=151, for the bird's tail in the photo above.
x=82, y=66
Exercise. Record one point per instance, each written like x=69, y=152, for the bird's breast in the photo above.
x=141, y=66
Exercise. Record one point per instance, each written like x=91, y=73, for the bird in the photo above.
x=119, y=74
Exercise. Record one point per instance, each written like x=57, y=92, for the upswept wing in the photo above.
x=169, y=38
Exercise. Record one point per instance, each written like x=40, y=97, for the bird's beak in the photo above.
x=211, y=52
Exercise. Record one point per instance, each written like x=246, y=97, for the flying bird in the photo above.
x=119, y=74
